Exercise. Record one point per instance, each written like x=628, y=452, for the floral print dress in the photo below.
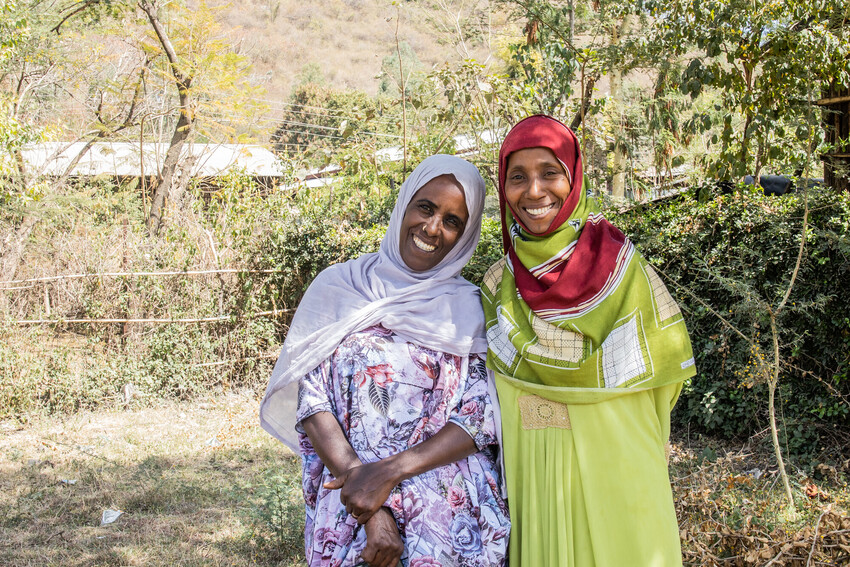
x=389, y=394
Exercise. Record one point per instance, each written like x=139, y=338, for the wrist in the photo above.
x=338, y=467
x=383, y=514
x=394, y=468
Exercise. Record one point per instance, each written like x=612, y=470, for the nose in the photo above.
x=535, y=187
x=431, y=225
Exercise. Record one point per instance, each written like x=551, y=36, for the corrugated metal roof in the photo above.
x=125, y=159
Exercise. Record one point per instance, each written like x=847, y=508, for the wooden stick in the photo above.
x=275, y=313
x=833, y=100
x=815, y=537
x=223, y=362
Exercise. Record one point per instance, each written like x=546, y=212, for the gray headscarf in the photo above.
x=436, y=308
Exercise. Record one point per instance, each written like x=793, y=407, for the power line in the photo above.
x=276, y=122
x=280, y=103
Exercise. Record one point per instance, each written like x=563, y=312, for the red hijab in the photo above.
x=584, y=271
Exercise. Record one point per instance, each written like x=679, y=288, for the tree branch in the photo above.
x=183, y=82
x=86, y=5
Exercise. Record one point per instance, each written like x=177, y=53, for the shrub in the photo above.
x=487, y=253
x=732, y=256
x=276, y=518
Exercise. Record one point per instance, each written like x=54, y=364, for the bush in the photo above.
x=487, y=253
x=732, y=257
x=275, y=520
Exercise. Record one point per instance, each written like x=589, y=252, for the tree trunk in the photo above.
x=618, y=162
x=181, y=182
x=773, y=380
x=185, y=122
x=167, y=176
x=585, y=103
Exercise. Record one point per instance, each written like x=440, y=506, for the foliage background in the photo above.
x=660, y=100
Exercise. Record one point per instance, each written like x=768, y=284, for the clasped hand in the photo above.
x=364, y=489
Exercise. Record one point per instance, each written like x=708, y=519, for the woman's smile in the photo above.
x=541, y=211
x=422, y=245
x=536, y=186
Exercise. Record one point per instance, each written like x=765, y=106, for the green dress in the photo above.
x=589, y=350
x=590, y=487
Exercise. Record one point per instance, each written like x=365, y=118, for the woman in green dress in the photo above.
x=589, y=351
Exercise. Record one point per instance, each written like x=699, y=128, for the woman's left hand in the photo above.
x=365, y=488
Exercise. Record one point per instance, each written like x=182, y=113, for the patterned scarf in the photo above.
x=577, y=314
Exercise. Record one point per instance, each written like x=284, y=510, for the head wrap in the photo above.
x=577, y=307
x=436, y=308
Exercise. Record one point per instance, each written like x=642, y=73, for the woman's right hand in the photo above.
x=365, y=488
x=383, y=541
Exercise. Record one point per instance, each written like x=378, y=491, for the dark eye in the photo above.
x=425, y=207
x=453, y=222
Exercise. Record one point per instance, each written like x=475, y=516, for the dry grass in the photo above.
x=732, y=510
x=189, y=479
x=196, y=484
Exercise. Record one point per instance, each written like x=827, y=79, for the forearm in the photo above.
x=330, y=442
x=448, y=445
x=366, y=487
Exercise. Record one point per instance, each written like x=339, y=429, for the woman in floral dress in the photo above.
x=395, y=416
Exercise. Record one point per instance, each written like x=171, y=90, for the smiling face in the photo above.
x=536, y=186
x=433, y=223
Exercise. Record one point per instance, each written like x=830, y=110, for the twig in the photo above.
x=83, y=451
x=223, y=362
x=815, y=538
x=59, y=533
x=829, y=386
x=775, y=559
x=704, y=304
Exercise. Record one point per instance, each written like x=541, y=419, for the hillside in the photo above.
x=348, y=39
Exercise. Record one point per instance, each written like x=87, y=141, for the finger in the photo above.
x=334, y=484
x=380, y=559
x=368, y=554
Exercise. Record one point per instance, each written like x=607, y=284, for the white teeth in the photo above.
x=423, y=246
x=540, y=211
